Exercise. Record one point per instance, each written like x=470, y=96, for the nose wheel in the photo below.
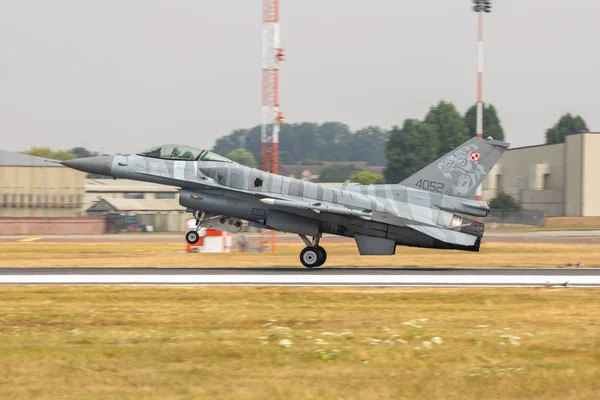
x=313, y=255
x=192, y=237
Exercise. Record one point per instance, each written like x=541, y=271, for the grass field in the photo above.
x=297, y=343
x=40, y=254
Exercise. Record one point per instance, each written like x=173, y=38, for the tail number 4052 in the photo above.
x=430, y=185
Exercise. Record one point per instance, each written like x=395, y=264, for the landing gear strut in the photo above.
x=313, y=255
x=192, y=237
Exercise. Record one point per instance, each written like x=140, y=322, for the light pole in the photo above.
x=480, y=7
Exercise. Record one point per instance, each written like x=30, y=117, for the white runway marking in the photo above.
x=307, y=279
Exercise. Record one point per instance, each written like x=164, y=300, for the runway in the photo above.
x=377, y=277
x=491, y=236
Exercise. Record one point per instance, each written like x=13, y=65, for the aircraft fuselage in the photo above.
x=231, y=189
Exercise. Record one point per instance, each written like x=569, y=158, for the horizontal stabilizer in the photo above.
x=445, y=235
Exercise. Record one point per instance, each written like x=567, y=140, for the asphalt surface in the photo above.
x=432, y=277
x=592, y=236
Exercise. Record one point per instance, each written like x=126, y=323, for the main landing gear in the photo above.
x=313, y=255
x=192, y=237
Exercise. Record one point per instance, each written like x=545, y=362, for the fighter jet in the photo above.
x=431, y=209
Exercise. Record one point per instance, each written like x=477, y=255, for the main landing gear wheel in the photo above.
x=323, y=256
x=192, y=237
x=311, y=257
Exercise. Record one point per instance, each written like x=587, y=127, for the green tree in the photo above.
x=243, y=157
x=82, y=152
x=491, y=123
x=235, y=140
x=253, y=144
x=409, y=149
x=504, y=202
x=368, y=145
x=331, y=141
x=338, y=173
x=299, y=140
x=46, y=152
x=367, y=178
x=567, y=125
x=449, y=126
x=311, y=161
x=285, y=158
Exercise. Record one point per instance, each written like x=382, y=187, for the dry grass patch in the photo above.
x=40, y=254
x=282, y=343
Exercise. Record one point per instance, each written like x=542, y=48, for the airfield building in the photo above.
x=32, y=187
x=559, y=179
x=134, y=205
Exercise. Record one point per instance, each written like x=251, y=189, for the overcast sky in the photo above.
x=125, y=75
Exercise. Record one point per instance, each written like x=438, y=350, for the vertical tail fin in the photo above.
x=461, y=171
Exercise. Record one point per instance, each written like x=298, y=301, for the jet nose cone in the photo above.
x=93, y=165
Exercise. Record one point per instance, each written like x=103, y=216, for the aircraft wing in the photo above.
x=423, y=226
x=435, y=231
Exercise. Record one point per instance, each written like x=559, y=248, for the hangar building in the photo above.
x=559, y=179
x=32, y=187
x=136, y=203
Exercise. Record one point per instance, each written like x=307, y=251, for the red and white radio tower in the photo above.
x=272, y=117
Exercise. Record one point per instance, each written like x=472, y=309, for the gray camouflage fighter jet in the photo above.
x=432, y=208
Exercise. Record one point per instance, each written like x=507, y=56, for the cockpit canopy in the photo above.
x=173, y=152
x=183, y=153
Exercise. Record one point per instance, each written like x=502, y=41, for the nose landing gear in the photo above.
x=192, y=237
x=313, y=255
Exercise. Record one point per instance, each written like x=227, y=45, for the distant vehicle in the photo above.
x=429, y=209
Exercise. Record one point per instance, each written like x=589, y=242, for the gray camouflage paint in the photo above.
x=452, y=180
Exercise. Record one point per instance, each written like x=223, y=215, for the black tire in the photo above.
x=192, y=237
x=310, y=257
x=323, y=256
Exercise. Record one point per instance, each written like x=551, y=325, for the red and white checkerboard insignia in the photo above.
x=474, y=156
